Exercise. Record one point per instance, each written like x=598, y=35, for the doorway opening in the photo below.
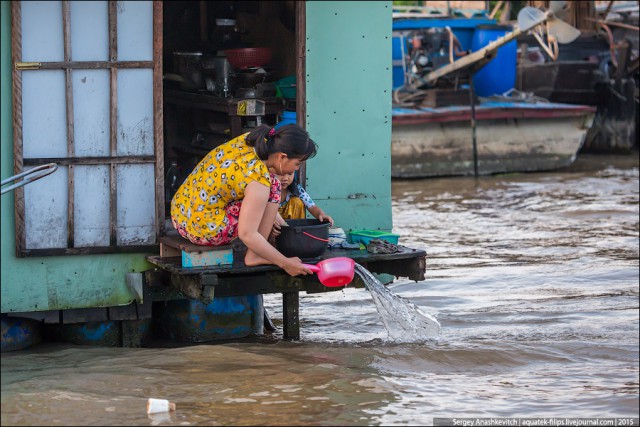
x=228, y=67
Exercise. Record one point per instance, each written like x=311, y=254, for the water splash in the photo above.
x=404, y=321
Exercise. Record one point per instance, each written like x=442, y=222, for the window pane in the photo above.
x=45, y=212
x=44, y=120
x=135, y=112
x=42, y=31
x=136, y=204
x=91, y=206
x=91, y=112
x=89, y=31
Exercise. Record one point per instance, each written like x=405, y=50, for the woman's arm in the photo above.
x=254, y=225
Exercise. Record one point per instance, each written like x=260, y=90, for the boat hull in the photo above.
x=435, y=146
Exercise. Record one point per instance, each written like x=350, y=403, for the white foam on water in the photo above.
x=405, y=322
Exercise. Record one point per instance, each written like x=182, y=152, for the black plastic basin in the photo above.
x=304, y=238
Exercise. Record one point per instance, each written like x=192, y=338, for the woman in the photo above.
x=231, y=193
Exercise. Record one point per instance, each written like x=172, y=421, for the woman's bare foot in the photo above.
x=251, y=258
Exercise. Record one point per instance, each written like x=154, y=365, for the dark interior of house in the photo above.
x=228, y=67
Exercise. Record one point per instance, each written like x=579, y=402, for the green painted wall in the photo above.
x=349, y=111
x=348, y=115
x=49, y=283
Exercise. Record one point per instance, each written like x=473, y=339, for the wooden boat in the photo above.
x=510, y=137
x=434, y=136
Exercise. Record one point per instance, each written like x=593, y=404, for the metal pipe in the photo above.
x=31, y=175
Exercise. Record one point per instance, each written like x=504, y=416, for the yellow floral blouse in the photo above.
x=220, y=178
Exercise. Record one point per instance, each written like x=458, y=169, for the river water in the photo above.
x=532, y=277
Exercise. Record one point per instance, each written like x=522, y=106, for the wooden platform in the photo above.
x=171, y=280
x=193, y=255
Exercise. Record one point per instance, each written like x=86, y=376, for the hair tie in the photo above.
x=272, y=132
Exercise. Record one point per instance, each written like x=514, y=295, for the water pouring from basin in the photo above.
x=403, y=320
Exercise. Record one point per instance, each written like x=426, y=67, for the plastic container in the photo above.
x=304, y=238
x=248, y=57
x=19, y=333
x=287, y=87
x=365, y=236
x=334, y=272
x=288, y=118
x=190, y=320
x=499, y=75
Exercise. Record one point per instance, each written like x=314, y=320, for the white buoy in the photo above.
x=155, y=406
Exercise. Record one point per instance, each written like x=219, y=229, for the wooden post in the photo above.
x=300, y=8
x=130, y=333
x=290, y=315
x=204, y=28
x=472, y=100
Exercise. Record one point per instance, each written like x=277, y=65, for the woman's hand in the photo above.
x=323, y=217
x=320, y=215
x=275, y=231
x=294, y=267
x=277, y=226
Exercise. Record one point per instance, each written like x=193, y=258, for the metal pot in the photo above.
x=188, y=65
x=252, y=76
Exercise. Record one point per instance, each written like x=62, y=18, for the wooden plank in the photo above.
x=123, y=312
x=174, y=266
x=482, y=113
x=16, y=89
x=48, y=316
x=301, y=74
x=444, y=97
x=93, y=65
x=158, y=118
x=66, y=24
x=63, y=161
x=80, y=315
x=195, y=255
x=113, y=206
x=89, y=250
x=144, y=308
x=113, y=121
x=291, y=315
x=204, y=30
x=167, y=251
x=130, y=333
x=183, y=244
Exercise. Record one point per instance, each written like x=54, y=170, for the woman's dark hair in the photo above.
x=289, y=139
